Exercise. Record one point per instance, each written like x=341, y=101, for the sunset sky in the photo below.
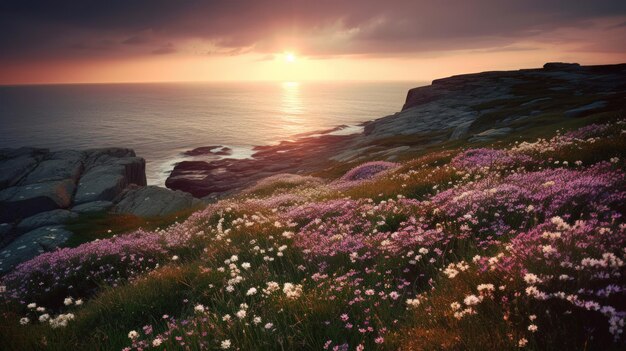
x=157, y=40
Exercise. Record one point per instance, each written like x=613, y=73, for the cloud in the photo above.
x=164, y=49
x=135, y=40
x=42, y=29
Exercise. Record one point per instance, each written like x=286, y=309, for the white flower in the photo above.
x=292, y=291
x=44, y=318
x=486, y=290
x=530, y=278
x=226, y=317
x=156, y=342
x=522, y=342
x=68, y=301
x=40, y=309
x=234, y=258
x=174, y=258
x=245, y=265
x=199, y=308
x=269, y=325
x=257, y=320
x=241, y=314
x=61, y=320
x=288, y=235
x=450, y=272
x=271, y=287
x=225, y=344
x=548, y=249
x=78, y=302
x=413, y=302
x=471, y=300
x=31, y=305
x=533, y=328
x=24, y=321
x=485, y=287
x=133, y=335
x=251, y=291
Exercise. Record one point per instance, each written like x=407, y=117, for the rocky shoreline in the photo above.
x=40, y=190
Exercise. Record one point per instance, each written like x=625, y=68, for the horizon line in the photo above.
x=217, y=81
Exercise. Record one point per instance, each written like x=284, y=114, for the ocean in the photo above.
x=162, y=120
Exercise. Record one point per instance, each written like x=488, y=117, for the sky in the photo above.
x=87, y=41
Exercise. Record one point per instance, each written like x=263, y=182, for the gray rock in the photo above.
x=26, y=200
x=460, y=130
x=106, y=155
x=107, y=176
x=491, y=134
x=5, y=229
x=45, y=219
x=579, y=111
x=6, y=153
x=559, y=66
x=14, y=169
x=93, y=207
x=350, y=154
x=152, y=201
x=57, y=166
x=32, y=244
x=534, y=101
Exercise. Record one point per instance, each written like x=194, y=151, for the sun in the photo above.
x=290, y=57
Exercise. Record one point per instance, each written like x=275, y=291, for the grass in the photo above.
x=91, y=226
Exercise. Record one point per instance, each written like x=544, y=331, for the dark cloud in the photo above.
x=43, y=29
x=136, y=40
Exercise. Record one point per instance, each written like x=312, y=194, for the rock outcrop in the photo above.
x=474, y=108
x=107, y=173
x=153, y=201
x=40, y=191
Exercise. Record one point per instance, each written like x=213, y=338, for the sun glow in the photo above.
x=290, y=57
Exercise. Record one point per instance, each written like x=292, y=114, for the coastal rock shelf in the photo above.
x=473, y=108
x=41, y=190
x=48, y=181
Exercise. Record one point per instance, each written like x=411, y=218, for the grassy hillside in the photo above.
x=520, y=245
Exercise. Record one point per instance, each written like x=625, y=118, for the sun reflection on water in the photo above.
x=292, y=108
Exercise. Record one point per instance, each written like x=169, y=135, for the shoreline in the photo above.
x=245, y=152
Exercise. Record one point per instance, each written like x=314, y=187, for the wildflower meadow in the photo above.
x=519, y=246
